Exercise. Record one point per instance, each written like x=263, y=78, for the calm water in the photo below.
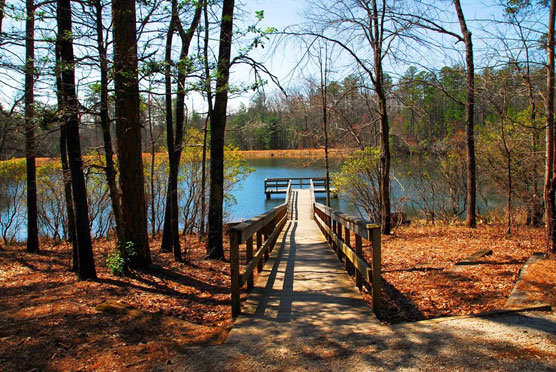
x=251, y=199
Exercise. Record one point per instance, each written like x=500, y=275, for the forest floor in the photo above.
x=51, y=322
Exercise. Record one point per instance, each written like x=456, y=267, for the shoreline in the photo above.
x=337, y=153
x=296, y=153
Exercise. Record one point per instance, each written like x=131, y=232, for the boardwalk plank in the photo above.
x=303, y=289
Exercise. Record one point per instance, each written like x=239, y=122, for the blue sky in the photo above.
x=283, y=13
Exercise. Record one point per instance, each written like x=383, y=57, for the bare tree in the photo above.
x=215, y=247
x=170, y=236
x=550, y=178
x=86, y=265
x=471, y=220
x=30, y=141
x=357, y=24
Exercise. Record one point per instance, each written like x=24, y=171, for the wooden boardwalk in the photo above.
x=303, y=290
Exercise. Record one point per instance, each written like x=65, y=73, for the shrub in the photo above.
x=119, y=259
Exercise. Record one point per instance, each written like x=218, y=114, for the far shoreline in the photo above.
x=296, y=153
x=337, y=153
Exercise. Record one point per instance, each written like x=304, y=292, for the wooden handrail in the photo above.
x=337, y=227
x=312, y=191
x=289, y=200
x=266, y=226
x=295, y=178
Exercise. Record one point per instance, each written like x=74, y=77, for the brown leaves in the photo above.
x=420, y=281
x=48, y=319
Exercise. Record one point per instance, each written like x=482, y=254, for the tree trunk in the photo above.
x=208, y=92
x=535, y=212
x=110, y=169
x=129, y=130
x=30, y=141
x=323, y=79
x=471, y=220
x=86, y=264
x=385, y=214
x=2, y=6
x=167, y=241
x=175, y=142
x=218, y=125
x=550, y=180
x=153, y=144
x=68, y=197
x=65, y=168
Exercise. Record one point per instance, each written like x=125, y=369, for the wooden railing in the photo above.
x=279, y=185
x=265, y=228
x=337, y=228
x=312, y=191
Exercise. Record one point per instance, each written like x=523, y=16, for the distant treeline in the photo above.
x=426, y=110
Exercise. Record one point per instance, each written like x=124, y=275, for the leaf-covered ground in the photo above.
x=420, y=280
x=539, y=282
x=48, y=320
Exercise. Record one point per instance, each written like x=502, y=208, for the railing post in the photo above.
x=249, y=257
x=349, y=267
x=272, y=226
x=377, y=258
x=359, y=252
x=234, y=273
x=265, y=235
x=339, y=231
x=259, y=245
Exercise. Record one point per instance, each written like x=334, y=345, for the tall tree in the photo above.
x=323, y=61
x=471, y=220
x=170, y=236
x=128, y=132
x=86, y=265
x=358, y=23
x=208, y=93
x=215, y=247
x=65, y=167
x=550, y=178
x=30, y=141
x=109, y=168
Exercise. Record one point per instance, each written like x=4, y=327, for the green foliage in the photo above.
x=119, y=259
x=358, y=181
x=13, y=169
x=256, y=127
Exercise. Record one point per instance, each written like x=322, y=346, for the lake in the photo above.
x=250, y=196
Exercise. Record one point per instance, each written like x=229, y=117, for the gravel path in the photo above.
x=523, y=341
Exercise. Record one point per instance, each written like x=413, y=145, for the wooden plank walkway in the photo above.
x=303, y=290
